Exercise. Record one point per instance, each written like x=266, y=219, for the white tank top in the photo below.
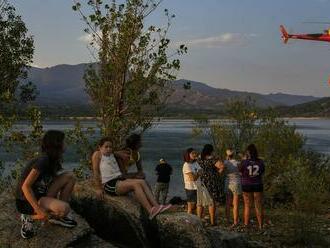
x=109, y=168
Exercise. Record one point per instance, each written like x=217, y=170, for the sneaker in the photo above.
x=154, y=211
x=27, y=231
x=163, y=208
x=65, y=222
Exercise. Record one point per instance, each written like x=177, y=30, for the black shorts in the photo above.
x=110, y=186
x=24, y=207
x=253, y=188
x=191, y=195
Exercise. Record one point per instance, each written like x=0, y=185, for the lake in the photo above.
x=170, y=137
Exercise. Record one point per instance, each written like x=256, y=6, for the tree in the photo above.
x=130, y=81
x=16, y=51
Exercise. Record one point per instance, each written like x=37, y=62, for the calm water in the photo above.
x=169, y=138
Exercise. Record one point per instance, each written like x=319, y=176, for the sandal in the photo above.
x=163, y=208
x=234, y=226
x=154, y=211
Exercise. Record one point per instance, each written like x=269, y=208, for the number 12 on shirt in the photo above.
x=253, y=170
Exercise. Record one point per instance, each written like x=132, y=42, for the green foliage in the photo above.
x=292, y=175
x=16, y=52
x=130, y=82
x=24, y=145
x=83, y=138
x=306, y=231
x=237, y=131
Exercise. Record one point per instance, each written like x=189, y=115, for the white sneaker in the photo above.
x=27, y=230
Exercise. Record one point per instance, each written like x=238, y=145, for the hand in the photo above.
x=41, y=214
x=100, y=194
x=140, y=175
x=123, y=154
x=220, y=166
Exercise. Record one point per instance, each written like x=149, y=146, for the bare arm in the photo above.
x=29, y=195
x=192, y=176
x=220, y=166
x=97, y=182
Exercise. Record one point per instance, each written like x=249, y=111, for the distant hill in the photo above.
x=63, y=86
x=319, y=108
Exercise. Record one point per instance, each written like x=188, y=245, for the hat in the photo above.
x=162, y=161
x=229, y=152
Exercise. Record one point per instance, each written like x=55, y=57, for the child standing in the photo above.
x=233, y=188
x=164, y=171
x=211, y=178
x=41, y=193
x=108, y=177
x=191, y=173
x=197, y=193
x=252, y=169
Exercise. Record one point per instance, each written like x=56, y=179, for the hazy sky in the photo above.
x=233, y=44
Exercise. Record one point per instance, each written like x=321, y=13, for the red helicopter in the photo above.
x=317, y=37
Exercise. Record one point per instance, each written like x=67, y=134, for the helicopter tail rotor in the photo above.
x=285, y=35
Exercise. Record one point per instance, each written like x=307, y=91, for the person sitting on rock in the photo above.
x=164, y=171
x=43, y=192
x=109, y=178
x=133, y=145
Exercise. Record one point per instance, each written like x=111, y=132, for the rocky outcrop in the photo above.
x=47, y=235
x=121, y=220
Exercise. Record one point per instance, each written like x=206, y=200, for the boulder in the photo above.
x=47, y=235
x=120, y=219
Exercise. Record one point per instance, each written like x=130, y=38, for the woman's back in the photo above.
x=252, y=171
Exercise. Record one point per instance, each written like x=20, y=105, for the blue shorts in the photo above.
x=191, y=195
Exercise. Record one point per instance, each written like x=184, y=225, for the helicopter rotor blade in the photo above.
x=317, y=22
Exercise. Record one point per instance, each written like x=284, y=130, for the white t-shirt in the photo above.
x=109, y=168
x=188, y=168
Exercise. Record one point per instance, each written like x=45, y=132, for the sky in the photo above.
x=232, y=44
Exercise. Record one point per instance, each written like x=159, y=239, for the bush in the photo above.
x=293, y=176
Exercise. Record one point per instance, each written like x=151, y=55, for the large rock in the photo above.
x=121, y=220
x=47, y=235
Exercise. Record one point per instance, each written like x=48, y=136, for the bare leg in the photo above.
x=258, y=207
x=235, y=208
x=62, y=185
x=164, y=194
x=200, y=210
x=56, y=207
x=212, y=214
x=147, y=191
x=126, y=186
x=157, y=192
x=247, y=196
x=228, y=205
x=191, y=207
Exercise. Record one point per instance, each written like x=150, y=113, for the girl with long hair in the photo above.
x=42, y=192
x=108, y=177
x=252, y=169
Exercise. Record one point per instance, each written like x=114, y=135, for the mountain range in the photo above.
x=63, y=85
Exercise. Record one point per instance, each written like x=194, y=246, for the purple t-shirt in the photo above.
x=252, y=171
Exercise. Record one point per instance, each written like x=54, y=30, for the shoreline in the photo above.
x=89, y=118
